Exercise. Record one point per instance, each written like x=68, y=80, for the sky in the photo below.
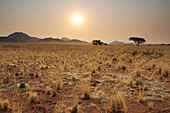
x=107, y=20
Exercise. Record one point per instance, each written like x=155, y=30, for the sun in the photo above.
x=77, y=19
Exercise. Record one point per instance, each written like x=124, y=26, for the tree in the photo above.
x=137, y=40
x=98, y=42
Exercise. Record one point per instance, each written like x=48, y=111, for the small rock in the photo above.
x=99, y=68
x=79, y=102
x=124, y=68
x=9, y=68
x=114, y=59
x=86, y=96
x=36, y=75
x=31, y=74
x=93, y=72
x=54, y=94
x=134, y=53
x=16, y=74
x=94, y=84
x=138, y=82
x=22, y=85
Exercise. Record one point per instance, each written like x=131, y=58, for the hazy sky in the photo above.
x=107, y=20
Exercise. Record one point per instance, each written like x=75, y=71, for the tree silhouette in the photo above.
x=137, y=40
x=98, y=42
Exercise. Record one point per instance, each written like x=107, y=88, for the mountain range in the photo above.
x=23, y=37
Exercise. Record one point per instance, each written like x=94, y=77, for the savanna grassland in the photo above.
x=56, y=78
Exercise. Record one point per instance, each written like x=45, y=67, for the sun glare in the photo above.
x=77, y=19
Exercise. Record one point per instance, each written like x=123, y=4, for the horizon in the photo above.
x=107, y=21
x=131, y=42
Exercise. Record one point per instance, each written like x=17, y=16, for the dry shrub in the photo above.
x=138, y=74
x=164, y=72
x=75, y=105
x=150, y=105
x=141, y=98
x=48, y=90
x=117, y=103
x=100, y=94
x=131, y=83
x=121, y=66
x=4, y=105
x=50, y=80
x=60, y=108
x=59, y=84
x=108, y=63
x=33, y=97
x=85, y=88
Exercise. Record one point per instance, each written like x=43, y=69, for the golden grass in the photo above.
x=59, y=83
x=150, y=105
x=117, y=103
x=138, y=71
x=85, y=88
x=48, y=90
x=141, y=98
x=33, y=97
x=4, y=105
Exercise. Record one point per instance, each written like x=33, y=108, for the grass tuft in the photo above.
x=48, y=90
x=4, y=105
x=33, y=97
x=59, y=83
x=85, y=88
x=117, y=103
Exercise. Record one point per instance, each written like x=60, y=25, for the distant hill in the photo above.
x=18, y=37
x=117, y=43
x=120, y=43
x=65, y=39
x=23, y=37
x=50, y=40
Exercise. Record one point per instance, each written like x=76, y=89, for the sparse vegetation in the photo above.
x=46, y=78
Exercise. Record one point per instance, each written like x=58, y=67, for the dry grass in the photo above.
x=60, y=108
x=48, y=90
x=33, y=97
x=117, y=103
x=150, y=105
x=93, y=71
x=59, y=83
x=85, y=88
x=141, y=98
x=4, y=105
